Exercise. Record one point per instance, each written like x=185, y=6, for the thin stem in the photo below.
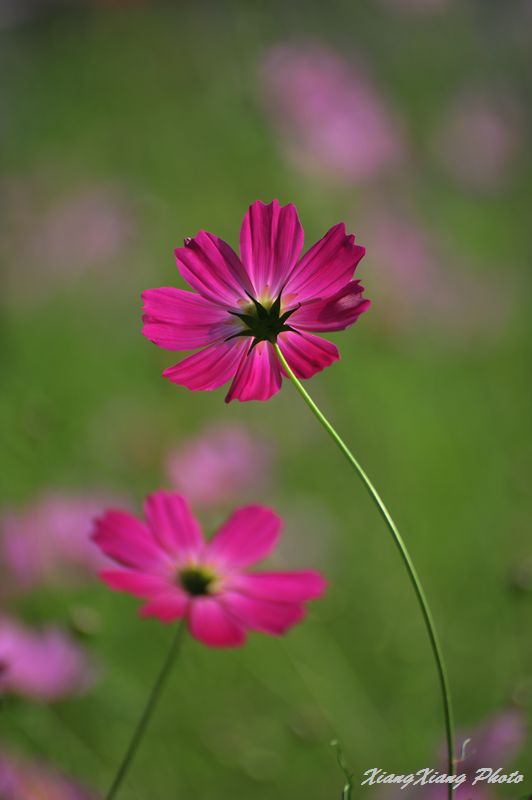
x=151, y=702
x=407, y=560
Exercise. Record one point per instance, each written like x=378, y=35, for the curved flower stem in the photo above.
x=151, y=702
x=407, y=560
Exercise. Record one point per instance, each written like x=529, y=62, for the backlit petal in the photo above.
x=334, y=313
x=259, y=375
x=179, y=320
x=271, y=239
x=307, y=354
x=210, y=368
x=325, y=268
x=213, y=268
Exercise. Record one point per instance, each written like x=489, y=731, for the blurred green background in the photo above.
x=150, y=120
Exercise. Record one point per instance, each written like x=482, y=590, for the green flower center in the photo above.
x=197, y=581
x=262, y=322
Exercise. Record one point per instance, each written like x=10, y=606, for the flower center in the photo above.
x=197, y=581
x=263, y=322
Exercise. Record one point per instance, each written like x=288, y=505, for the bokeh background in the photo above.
x=125, y=127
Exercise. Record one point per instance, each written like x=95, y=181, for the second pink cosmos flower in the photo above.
x=167, y=562
x=242, y=306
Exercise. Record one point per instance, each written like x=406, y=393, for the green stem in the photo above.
x=407, y=560
x=148, y=711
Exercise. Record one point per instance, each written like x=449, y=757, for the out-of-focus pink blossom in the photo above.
x=480, y=140
x=331, y=119
x=222, y=465
x=49, y=541
x=167, y=562
x=21, y=779
x=493, y=744
x=422, y=285
x=42, y=665
x=56, y=240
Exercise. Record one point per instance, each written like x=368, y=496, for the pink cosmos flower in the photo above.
x=223, y=463
x=31, y=780
x=166, y=561
x=42, y=665
x=242, y=306
x=49, y=541
x=332, y=121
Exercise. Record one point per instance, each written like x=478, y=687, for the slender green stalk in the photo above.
x=407, y=560
x=151, y=702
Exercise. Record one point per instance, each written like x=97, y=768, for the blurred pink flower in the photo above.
x=90, y=226
x=222, y=465
x=21, y=779
x=241, y=307
x=57, y=239
x=480, y=140
x=417, y=279
x=167, y=562
x=42, y=665
x=50, y=540
x=493, y=744
x=331, y=119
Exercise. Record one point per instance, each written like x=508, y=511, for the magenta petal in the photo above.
x=179, y=320
x=138, y=584
x=167, y=606
x=259, y=375
x=334, y=313
x=263, y=615
x=307, y=354
x=213, y=626
x=173, y=524
x=127, y=540
x=249, y=535
x=271, y=239
x=208, y=369
x=213, y=268
x=326, y=267
x=281, y=587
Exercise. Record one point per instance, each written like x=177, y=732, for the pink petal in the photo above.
x=213, y=268
x=334, y=313
x=263, y=615
x=281, y=587
x=306, y=353
x=167, y=606
x=248, y=536
x=138, y=584
x=178, y=320
x=127, y=540
x=173, y=524
x=326, y=267
x=211, y=624
x=210, y=368
x=258, y=376
x=271, y=239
